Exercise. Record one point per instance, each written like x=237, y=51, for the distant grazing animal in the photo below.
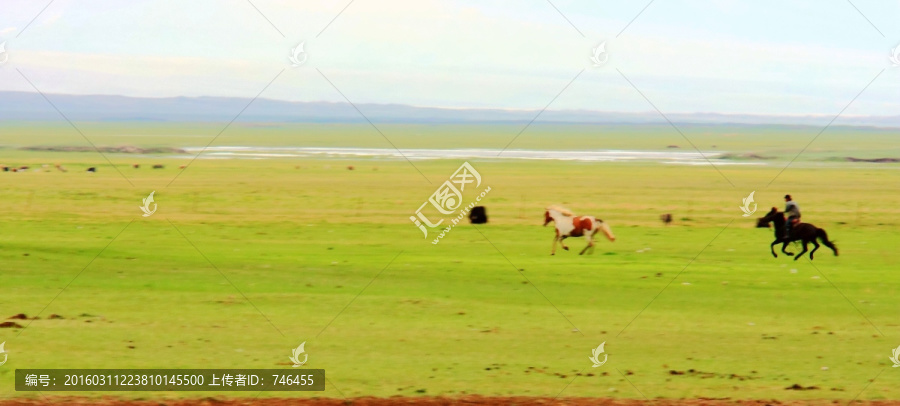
x=23, y=168
x=158, y=166
x=478, y=215
x=92, y=169
x=666, y=218
x=182, y=167
x=135, y=166
x=569, y=225
x=804, y=232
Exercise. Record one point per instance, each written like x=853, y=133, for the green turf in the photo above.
x=487, y=310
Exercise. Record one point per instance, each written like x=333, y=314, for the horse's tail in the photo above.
x=606, y=230
x=824, y=237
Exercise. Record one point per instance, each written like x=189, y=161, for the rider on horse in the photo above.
x=792, y=210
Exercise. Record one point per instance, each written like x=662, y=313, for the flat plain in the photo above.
x=245, y=259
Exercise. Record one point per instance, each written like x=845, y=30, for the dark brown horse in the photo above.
x=803, y=232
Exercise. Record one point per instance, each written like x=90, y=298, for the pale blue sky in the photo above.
x=725, y=56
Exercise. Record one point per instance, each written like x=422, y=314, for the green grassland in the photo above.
x=327, y=255
x=782, y=142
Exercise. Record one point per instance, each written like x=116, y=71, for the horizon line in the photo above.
x=461, y=108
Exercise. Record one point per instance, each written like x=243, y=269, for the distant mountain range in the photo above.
x=32, y=106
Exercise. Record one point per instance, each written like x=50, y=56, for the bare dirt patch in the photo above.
x=124, y=149
x=426, y=401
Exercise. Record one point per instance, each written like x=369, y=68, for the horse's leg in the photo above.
x=784, y=247
x=562, y=242
x=805, y=248
x=553, y=251
x=590, y=241
x=773, y=248
x=815, y=247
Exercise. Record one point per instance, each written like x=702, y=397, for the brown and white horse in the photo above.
x=569, y=225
